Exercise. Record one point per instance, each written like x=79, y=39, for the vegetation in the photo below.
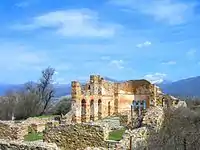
x=116, y=135
x=33, y=136
x=181, y=124
x=63, y=107
x=34, y=99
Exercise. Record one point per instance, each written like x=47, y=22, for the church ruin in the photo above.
x=99, y=98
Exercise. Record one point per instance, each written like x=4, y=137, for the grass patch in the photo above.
x=116, y=135
x=33, y=137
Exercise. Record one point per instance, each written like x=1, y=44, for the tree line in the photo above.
x=33, y=99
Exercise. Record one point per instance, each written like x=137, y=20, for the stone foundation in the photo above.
x=78, y=136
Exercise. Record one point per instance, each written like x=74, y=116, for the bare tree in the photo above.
x=45, y=87
x=34, y=99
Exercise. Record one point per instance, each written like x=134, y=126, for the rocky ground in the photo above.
x=17, y=145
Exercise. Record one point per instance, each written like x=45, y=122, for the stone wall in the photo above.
x=16, y=145
x=154, y=117
x=78, y=136
x=12, y=131
x=36, y=124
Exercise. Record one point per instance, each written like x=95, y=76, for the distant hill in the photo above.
x=185, y=87
x=60, y=89
x=7, y=87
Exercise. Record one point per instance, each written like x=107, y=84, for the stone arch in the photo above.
x=99, y=109
x=92, y=110
x=109, y=107
x=83, y=110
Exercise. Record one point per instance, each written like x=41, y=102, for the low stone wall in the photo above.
x=78, y=136
x=16, y=130
x=16, y=145
x=12, y=131
x=37, y=127
x=113, y=123
x=37, y=124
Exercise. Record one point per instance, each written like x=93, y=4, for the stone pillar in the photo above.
x=96, y=92
x=94, y=84
x=116, y=98
x=76, y=101
x=88, y=110
x=96, y=107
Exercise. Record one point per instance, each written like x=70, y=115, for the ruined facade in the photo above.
x=100, y=98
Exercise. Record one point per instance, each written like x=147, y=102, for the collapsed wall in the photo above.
x=16, y=145
x=78, y=136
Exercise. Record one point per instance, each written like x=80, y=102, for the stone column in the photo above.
x=76, y=101
x=116, y=98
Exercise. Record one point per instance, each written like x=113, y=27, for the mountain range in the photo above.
x=184, y=87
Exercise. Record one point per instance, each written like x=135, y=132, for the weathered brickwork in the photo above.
x=99, y=98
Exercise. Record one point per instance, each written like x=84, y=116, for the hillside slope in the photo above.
x=185, y=87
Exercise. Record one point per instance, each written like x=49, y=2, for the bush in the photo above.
x=179, y=124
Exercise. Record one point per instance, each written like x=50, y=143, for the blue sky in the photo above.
x=121, y=39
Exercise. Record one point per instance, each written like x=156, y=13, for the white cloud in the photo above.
x=145, y=44
x=169, y=11
x=155, y=78
x=19, y=57
x=169, y=63
x=78, y=23
x=119, y=64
